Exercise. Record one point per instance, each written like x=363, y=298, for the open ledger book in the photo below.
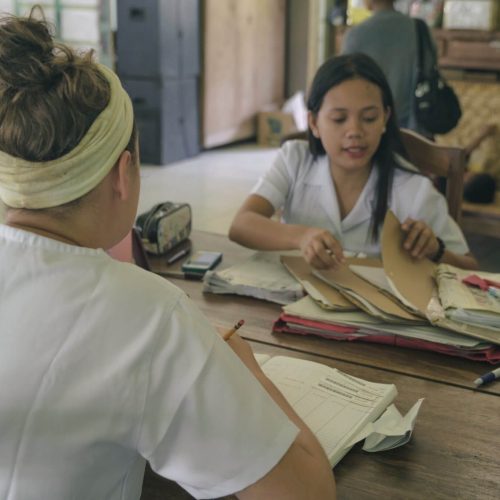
x=337, y=407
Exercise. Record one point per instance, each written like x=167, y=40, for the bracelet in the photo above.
x=440, y=252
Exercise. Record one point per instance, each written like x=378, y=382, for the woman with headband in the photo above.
x=103, y=365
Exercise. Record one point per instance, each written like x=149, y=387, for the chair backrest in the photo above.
x=295, y=135
x=442, y=161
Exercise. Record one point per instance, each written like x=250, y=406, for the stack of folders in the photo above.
x=396, y=301
x=473, y=299
x=261, y=276
x=305, y=317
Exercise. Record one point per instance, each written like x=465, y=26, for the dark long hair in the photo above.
x=359, y=66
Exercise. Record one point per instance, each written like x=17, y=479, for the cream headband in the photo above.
x=26, y=184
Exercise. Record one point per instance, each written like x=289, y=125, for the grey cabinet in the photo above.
x=166, y=112
x=158, y=60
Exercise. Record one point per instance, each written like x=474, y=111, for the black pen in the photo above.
x=178, y=255
x=180, y=275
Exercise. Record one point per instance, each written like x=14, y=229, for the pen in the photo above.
x=178, y=274
x=178, y=255
x=228, y=334
x=488, y=377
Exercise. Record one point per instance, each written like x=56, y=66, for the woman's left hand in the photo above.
x=420, y=241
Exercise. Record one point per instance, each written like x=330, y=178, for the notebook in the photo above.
x=261, y=276
x=335, y=406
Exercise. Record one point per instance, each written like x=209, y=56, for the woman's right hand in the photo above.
x=320, y=249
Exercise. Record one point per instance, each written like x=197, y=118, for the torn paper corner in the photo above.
x=389, y=431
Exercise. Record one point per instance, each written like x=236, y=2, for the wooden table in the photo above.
x=454, y=452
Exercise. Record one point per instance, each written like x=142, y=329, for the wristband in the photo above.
x=439, y=254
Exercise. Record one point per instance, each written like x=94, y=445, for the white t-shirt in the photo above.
x=103, y=365
x=303, y=188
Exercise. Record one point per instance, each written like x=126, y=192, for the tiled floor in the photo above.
x=216, y=182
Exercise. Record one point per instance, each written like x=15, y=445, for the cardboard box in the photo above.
x=272, y=126
x=470, y=14
x=357, y=12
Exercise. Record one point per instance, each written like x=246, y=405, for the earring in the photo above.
x=383, y=130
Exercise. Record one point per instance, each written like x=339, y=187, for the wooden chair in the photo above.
x=295, y=135
x=436, y=160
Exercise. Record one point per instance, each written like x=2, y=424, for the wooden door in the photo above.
x=243, y=66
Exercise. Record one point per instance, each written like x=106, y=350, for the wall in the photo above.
x=307, y=41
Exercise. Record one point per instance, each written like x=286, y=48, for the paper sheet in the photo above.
x=454, y=294
x=389, y=431
x=325, y=295
x=335, y=405
x=374, y=275
x=296, y=106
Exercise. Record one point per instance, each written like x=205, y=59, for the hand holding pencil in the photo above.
x=242, y=349
x=226, y=336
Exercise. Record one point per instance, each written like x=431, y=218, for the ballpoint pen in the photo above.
x=488, y=377
x=180, y=275
x=181, y=253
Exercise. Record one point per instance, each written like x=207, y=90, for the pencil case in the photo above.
x=164, y=226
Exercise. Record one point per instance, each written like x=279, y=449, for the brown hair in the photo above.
x=49, y=94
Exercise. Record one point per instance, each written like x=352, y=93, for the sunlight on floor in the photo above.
x=214, y=183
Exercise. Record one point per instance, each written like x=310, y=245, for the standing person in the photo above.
x=390, y=39
x=103, y=365
x=334, y=192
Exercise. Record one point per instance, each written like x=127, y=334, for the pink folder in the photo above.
x=295, y=325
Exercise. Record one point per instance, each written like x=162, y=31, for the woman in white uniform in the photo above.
x=104, y=365
x=334, y=191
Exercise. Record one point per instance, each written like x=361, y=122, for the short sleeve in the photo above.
x=218, y=431
x=429, y=205
x=276, y=184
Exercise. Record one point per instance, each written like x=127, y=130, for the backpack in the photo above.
x=437, y=108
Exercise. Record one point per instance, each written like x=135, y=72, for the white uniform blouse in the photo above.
x=104, y=366
x=303, y=188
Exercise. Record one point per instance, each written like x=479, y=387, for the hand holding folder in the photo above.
x=406, y=284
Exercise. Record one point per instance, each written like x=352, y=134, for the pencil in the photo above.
x=228, y=334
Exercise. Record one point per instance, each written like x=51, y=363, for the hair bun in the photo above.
x=26, y=53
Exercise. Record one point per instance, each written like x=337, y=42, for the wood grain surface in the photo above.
x=224, y=310
x=453, y=452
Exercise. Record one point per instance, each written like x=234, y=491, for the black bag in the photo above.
x=164, y=226
x=437, y=107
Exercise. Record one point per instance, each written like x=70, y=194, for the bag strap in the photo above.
x=420, y=30
x=144, y=220
x=425, y=47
